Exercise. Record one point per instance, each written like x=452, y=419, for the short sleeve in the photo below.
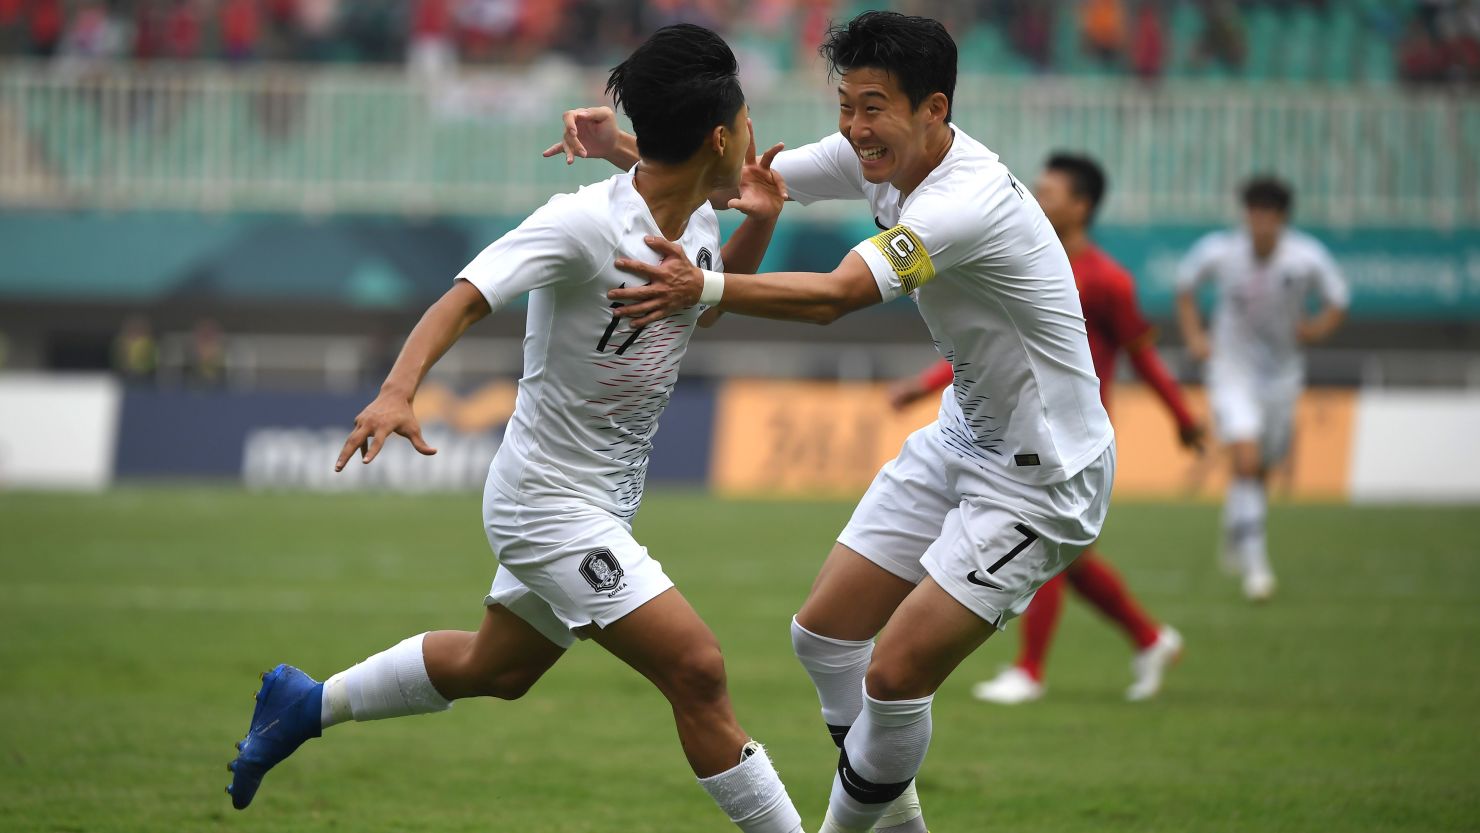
x=933, y=235
x=553, y=245
x=1195, y=267
x=1329, y=281
x=825, y=170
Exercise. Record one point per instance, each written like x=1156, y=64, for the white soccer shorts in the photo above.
x=566, y=565
x=989, y=541
x=1246, y=409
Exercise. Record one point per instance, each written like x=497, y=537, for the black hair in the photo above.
x=677, y=87
x=1086, y=177
x=916, y=51
x=1268, y=192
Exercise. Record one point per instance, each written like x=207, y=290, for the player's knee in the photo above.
x=698, y=677
x=888, y=680
x=507, y=683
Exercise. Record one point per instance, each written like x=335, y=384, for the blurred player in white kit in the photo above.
x=1264, y=276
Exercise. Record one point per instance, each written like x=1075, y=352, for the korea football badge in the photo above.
x=601, y=570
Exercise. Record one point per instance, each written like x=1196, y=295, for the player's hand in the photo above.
x=590, y=132
x=905, y=393
x=762, y=190
x=387, y=415
x=674, y=284
x=1194, y=438
x=1311, y=331
x=1198, y=349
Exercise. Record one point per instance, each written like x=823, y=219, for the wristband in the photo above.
x=714, y=287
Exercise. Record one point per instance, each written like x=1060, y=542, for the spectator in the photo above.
x=135, y=353
x=1148, y=43
x=1222, y=38
x=92, y=36
x=1032, y=32
x=206, y=364
x=1103, y=29
x=431, y=53
x=241, y=29
x=45, y=31
x=12, y=27
x=316, y=23
x=1421, y=57
x=182, y=32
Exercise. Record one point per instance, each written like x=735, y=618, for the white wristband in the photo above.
x=714, y=287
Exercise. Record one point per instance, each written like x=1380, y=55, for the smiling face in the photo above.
x=893, y=139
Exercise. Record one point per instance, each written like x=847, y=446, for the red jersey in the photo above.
x=1114, y=323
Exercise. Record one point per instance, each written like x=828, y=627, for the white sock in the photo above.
x=393, y=683
x=882, y=755
x=1244, y=519
x=836, y=667
x=752, y=795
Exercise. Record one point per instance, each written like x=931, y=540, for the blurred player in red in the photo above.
x=1070, y=190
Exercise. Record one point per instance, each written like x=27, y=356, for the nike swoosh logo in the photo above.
x=971, y=577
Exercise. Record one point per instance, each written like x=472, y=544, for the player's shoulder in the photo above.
x=593, y=214
x=1101, y=268
x=1305, y=244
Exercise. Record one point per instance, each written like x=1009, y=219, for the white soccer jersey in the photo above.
x=593, y=387
x=994, y=286
x=1260, y=303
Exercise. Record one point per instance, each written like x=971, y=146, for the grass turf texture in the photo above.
x=135, y=624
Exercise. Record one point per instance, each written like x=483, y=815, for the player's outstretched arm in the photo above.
x=391, y=412
x=676, y=284
x=592, y=133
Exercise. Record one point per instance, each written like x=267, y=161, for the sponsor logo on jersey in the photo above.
x=907, y=256
x=705, y=260
x=600, y=570
x=1027, y=460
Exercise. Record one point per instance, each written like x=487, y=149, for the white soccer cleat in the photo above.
x=1259, y=585
x=1009, y=688
x=1150, y=665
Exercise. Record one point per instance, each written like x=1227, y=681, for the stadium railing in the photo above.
x=384, y=141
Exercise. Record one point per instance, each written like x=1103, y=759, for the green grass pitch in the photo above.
x=133, y=626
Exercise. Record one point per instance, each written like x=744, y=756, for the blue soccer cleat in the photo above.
x=286, y=715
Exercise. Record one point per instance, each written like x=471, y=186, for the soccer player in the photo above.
x=1009, y=484
x=1264, y=275
x=1070, y=189
x=568, y=478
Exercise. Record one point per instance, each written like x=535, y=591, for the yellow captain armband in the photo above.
x=907, y=255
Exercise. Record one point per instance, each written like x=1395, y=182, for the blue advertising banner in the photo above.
x=275, y=440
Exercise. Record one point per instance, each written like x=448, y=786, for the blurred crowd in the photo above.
x=1433, y=40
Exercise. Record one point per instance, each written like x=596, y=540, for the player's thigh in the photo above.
x=852, y=597
x=876, y=561
x=666, y=641
x=567, y=567
x=1278, y=404
x=1007, y=539
x=927, y=638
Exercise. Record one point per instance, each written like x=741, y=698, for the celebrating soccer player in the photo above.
x=1012, y=481
x=1264, y=275
x=568, y=478
x=1070, y=190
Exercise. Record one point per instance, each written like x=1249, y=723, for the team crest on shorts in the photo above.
x=600, y=570
x=705, y=260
